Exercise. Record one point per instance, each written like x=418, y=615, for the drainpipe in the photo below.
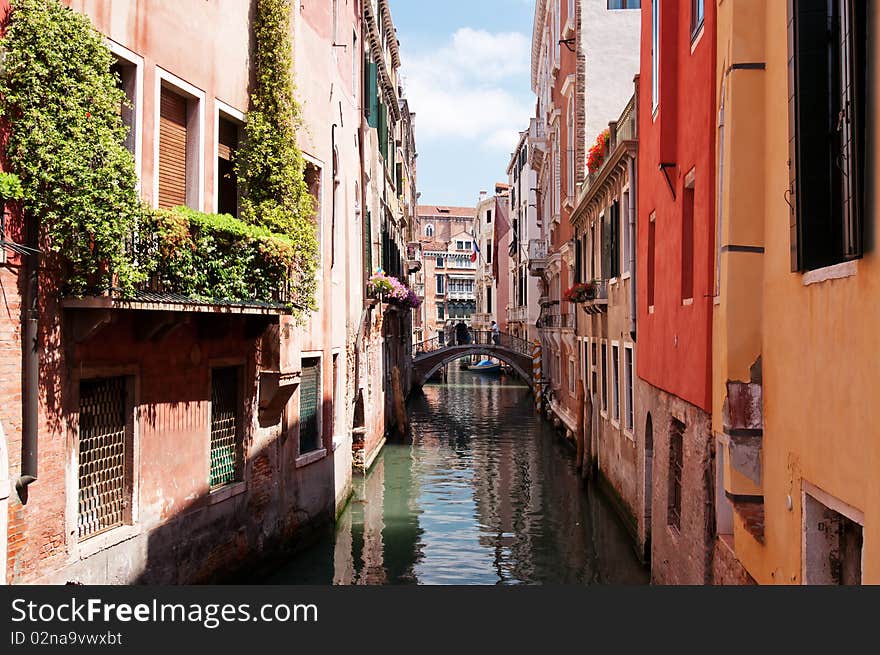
x=30, y=366
x=335, y=182
x=633, y=195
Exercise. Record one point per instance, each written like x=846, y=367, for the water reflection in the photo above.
x=485, y=493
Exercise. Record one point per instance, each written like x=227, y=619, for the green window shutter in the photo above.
x=309, y=437
x=368, y=248
x=372, y=92
x=383, y=130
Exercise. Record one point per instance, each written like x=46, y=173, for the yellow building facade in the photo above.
x=797, y=298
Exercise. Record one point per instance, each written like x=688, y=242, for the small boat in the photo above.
x=486, y=366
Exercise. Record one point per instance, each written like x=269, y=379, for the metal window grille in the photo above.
x=104, y=478
x=676, y=466
x=225, y=427
x=309, y=393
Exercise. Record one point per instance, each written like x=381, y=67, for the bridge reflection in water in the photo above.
x=484, y=493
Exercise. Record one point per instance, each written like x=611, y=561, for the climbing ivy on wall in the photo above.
x=66, y=140
x=270, y=166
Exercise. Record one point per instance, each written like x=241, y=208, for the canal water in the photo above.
x=484, y=493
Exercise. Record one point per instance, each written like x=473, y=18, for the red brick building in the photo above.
x=675, y=258
x=179, y=440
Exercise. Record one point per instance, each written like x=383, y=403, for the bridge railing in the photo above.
x=476, y=338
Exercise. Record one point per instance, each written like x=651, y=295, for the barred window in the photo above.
x=105, y=455
x=676, y=467
x=309, y=406
x=226, y=427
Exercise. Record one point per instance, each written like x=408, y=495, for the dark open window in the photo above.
x=226, y=426
x=611, y=252
x=829, y=71
x=227, y=182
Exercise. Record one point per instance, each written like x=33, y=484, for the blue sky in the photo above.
x=466, y=73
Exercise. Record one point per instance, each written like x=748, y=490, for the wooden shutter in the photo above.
x=172, y=150
x=309, y=438
x=371, y=90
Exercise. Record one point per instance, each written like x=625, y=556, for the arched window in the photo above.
x=429, y=230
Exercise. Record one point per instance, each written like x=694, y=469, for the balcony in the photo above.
x=460, y=295
x=482, y=319
x=556, y=322
x=622, y=132
x=537, y=257
x=518, y=314
x=598, y=305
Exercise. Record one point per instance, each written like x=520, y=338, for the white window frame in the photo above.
x=232, y=114
x=615, y=383
x=195, y=137
x=305, y=459
x=133, y=59
x=629, y=390
x=603, y=395
x=429, y=230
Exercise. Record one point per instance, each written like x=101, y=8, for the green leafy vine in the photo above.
x=270, y=166
x=66, y=140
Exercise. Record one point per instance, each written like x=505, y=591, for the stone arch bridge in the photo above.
x=431, y=355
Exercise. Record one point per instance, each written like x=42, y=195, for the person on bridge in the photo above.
x=461, y=334
x=448, y=333
x=496, y=334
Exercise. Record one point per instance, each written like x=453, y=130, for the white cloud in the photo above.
x=464, y=89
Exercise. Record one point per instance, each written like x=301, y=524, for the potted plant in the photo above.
x=598, y=152
x=582, y=292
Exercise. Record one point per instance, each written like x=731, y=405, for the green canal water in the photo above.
x=484, y=493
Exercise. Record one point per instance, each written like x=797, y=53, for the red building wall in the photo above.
x=675, y=340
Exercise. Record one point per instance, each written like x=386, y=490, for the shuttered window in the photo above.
x=371, y=91
x=828, y=69
x=611, y=251
x=309, y=406
x=172, y=150
x=105, y=456
x=226, y=405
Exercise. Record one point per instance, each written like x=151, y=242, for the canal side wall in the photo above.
x=680, y=554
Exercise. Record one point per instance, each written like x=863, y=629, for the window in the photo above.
x=611, y=251
x=335, y=392
x=624, y=4
x=129, y=69
x=127, y=81
x=676, y=467
x=227, y=182
x=629, y=373
x=226, y=427
x=655, y=55
x=459, y=245
x=440, y=284
x=179, y=145
x=594, y=368
x=489, y=216
x=571, y=376
x=488, y=252
x=698, y=10
x=441, y=311
x=605, y=378
x=615, y=382
x=105, y=455
x=440, y=262
x=652, y=245
x=827, y=136
x=429, y=230
x=687, y=239
x=488, y=300
x=833, y=543
x=570, y=155
x=355, y=56
x=628, y=236
x=313, y=177
x=310, y=406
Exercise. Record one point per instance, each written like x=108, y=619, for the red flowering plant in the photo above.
x=581, y=292
x=598, y=152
